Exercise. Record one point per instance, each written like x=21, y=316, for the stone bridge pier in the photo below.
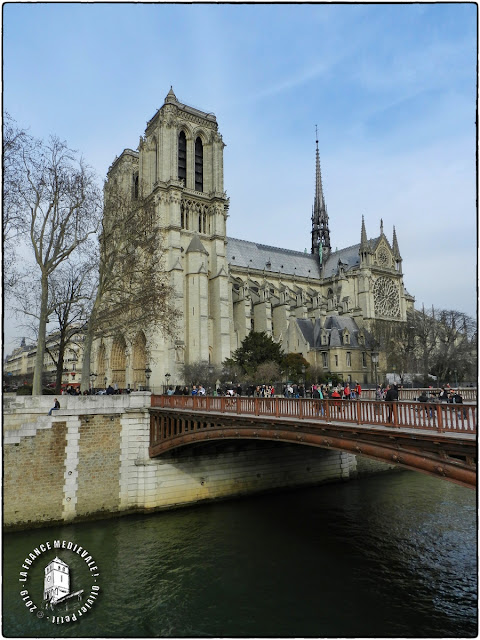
x=90, y=459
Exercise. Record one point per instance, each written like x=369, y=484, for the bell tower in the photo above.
x=181, y=166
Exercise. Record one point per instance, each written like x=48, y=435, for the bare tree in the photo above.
x=58, y=195
x=202, y=373
x=133, y=290
x=440, y=342
x=268, y=372
x=14, y=221
x=71, y=288
x=397, y=340
x=454, y=356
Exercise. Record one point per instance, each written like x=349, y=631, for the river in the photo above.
x=392, y=555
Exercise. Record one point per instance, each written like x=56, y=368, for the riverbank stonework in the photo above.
x=90, y=460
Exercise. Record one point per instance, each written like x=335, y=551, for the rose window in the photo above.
x=386, y=298
x=383, y=258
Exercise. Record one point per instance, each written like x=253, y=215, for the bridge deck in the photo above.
x=432, y=417
x=436, y=439
x=380, y=428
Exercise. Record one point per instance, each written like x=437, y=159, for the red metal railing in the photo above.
x=440, y=417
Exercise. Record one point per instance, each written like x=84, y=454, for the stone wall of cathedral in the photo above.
x=180, y=161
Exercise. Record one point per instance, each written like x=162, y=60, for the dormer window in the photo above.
x=346, y=338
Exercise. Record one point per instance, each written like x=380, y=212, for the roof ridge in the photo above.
x=267, y=246
x=352, y=246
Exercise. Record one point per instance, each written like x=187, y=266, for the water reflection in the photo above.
x=387, y=556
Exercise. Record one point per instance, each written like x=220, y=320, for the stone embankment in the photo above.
x=90, y=460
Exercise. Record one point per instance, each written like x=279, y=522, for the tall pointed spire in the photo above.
x=320, y=231
x=395, y=247
x=363, y=239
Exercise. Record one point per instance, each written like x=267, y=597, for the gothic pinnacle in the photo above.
x=363, y=240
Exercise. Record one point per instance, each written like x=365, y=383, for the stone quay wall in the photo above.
x=90, y=460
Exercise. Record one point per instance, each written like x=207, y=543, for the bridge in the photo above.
x=436, y=439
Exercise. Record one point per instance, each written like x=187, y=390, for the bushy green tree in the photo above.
x=292, y=364
x=256, y=348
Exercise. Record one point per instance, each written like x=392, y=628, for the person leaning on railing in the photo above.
x=424, y=398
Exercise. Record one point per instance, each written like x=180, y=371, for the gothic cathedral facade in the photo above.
x=320, y=304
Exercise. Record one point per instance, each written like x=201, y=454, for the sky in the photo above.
x=391, y=88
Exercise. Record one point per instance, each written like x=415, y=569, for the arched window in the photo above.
x=182, y=157
x=139, y=361
x=198, y=165
x=118, y=362
x=155, y=162
x=135, y=185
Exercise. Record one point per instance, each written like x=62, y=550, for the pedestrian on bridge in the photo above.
x=391, y=396
x=457, y=399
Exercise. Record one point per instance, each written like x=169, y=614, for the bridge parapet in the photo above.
x=440, y=417
x=437, y=439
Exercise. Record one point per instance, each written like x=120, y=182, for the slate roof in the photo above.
x=243, y=253
x=261, y=256
x=306, y=327
x=350, y=256
x=334, y=325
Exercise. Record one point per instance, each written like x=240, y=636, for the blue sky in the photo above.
x=392, y=89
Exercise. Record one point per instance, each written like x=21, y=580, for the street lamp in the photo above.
x=92, y=380
x=148, y=373
x=303, y=374
x=375, y=362
x=167, y=378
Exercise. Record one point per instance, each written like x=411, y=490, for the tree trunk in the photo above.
x=59, y=373
x=87, y=349
x=42, y=328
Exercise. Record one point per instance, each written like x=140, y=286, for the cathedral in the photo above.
x=320, y=304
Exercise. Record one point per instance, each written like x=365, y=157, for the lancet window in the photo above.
x=182, y=157
x=198, y=165
x=135, y=185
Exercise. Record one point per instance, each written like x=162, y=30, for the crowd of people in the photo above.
x=289, y=390
x=109, y=391
x=446, y=394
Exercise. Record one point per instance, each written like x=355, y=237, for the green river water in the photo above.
x=392, y=555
